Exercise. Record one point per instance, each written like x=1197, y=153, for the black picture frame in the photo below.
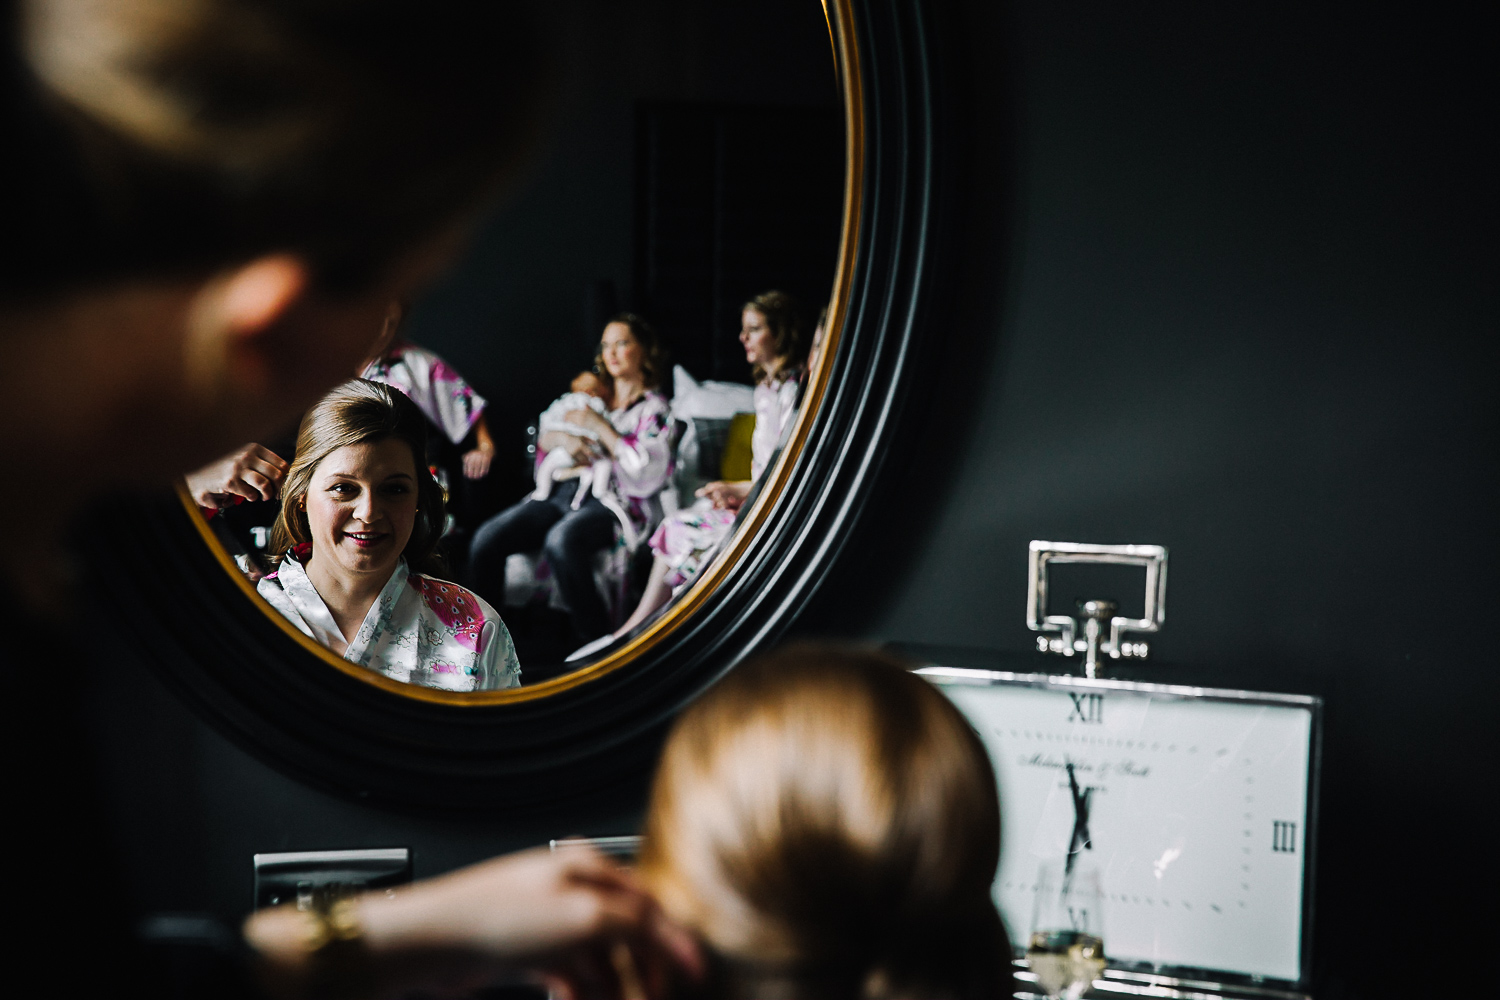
x=170, y=593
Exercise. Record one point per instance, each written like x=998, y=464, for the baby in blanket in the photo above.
x=587, y=391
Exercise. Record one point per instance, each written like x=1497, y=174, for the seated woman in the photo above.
x=827, y=825
x=632, y=434
x=777, y=350
x=359, y=524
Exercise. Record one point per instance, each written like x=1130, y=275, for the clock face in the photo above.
x=1192, y=804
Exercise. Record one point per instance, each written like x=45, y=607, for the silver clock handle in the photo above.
x=1059, y=633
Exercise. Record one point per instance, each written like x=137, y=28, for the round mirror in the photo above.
x=652, y=392
x=607, y=381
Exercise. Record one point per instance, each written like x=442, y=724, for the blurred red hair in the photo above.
x=828, y=824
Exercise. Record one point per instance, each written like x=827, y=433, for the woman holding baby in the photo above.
x=601, y=468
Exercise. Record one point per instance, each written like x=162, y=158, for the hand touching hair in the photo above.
x=828, y=824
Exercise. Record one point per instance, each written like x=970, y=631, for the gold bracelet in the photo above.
x=339, y=965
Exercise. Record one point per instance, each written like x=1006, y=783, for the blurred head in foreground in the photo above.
x=827, y=823
x=214, y=202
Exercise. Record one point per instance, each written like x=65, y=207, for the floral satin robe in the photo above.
x=690, y=538
x=427, y=380
x=420, y=630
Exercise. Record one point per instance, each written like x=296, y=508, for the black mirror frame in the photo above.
x=252, y=680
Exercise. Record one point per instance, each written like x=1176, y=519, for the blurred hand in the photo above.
x=253, y=472
x=572, y=917
x=725, y=496
x=477, y=462
x=583, y=450
x=590, y=420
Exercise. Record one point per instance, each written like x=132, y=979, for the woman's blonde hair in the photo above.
x=828, y=824
x=360, y=412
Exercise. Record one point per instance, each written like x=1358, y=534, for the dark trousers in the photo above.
x=568, y=538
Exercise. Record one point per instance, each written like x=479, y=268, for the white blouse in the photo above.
x=420, y=630
x=775, y=408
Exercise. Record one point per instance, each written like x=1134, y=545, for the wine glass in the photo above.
x=1066, y=951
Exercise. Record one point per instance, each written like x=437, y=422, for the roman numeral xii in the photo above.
x=1087, y=708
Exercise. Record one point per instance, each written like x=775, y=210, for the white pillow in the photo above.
x=714, y=400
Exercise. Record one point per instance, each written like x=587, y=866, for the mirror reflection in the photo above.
x=548, y=449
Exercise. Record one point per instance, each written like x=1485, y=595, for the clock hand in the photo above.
x=1080, y=839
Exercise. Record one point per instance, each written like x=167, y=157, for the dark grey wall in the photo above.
x=1220, y=277
x=1232, y=290
x=513, y=315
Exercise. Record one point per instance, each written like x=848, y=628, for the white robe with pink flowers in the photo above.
x=420, y=630
x=690, y=539
x=430, y=382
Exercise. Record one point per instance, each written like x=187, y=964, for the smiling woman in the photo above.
x=355, y=539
